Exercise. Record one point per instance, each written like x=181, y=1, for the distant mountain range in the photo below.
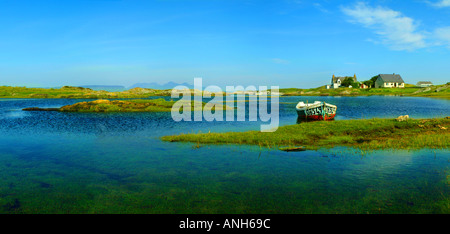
x=118, y=88
x=109, y=88
x=169, y=85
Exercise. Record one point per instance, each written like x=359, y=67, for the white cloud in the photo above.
x=442, y=3
x=394, y=29
x=319, y=7
x=443, y=36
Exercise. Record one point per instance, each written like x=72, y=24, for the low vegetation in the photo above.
x=136, y=105
x=77, y=92
x=158, y=105
x=368, y=134
x=441, y=91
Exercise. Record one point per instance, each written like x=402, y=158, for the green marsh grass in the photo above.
x=371, y=134
x=137, y=105
x=438, y=91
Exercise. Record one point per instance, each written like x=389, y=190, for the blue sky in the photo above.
x=290, y=43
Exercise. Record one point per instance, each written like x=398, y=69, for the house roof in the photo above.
x=336, y=78
x=394, y=78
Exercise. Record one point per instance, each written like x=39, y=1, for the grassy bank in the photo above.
x=84, y=93
x=140, y=105
x=77, y=92
x=441, y=91
x=136, y=105
x=362, y=134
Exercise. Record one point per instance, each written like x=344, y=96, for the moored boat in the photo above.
x=316, y=111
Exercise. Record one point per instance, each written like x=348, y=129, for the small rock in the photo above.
x=293, y=149
x=402, y=118
x=442, y=128
x=102, y=101
x=40, y=109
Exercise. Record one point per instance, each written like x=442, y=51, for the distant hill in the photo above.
x=109, y=88
x=169, y=85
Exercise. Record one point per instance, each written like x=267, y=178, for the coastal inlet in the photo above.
x=116, y=162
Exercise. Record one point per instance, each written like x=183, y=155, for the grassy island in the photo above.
x=363, y=134
x=139, y=105
x=136, y=105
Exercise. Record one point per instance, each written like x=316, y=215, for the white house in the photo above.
x=389, y=81
x=337, y=81
x=424, y=84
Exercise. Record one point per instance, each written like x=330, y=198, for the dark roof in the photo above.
x=394, y=78
x=336, y=78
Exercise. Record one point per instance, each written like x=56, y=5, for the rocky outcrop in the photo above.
x=75, y=88
x=402, y=118
x=40, y=109
x=442, y=88
x=293, y=149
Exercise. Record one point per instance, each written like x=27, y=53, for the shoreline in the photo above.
x=438, y=91
x=67, y=92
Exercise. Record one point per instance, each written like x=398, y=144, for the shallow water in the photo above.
x=53, y=162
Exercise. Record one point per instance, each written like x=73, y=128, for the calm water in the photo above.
x=54, y=162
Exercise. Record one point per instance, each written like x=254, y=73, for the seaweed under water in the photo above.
x=115, y=163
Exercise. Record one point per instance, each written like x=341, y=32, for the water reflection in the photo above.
x=54, y=162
